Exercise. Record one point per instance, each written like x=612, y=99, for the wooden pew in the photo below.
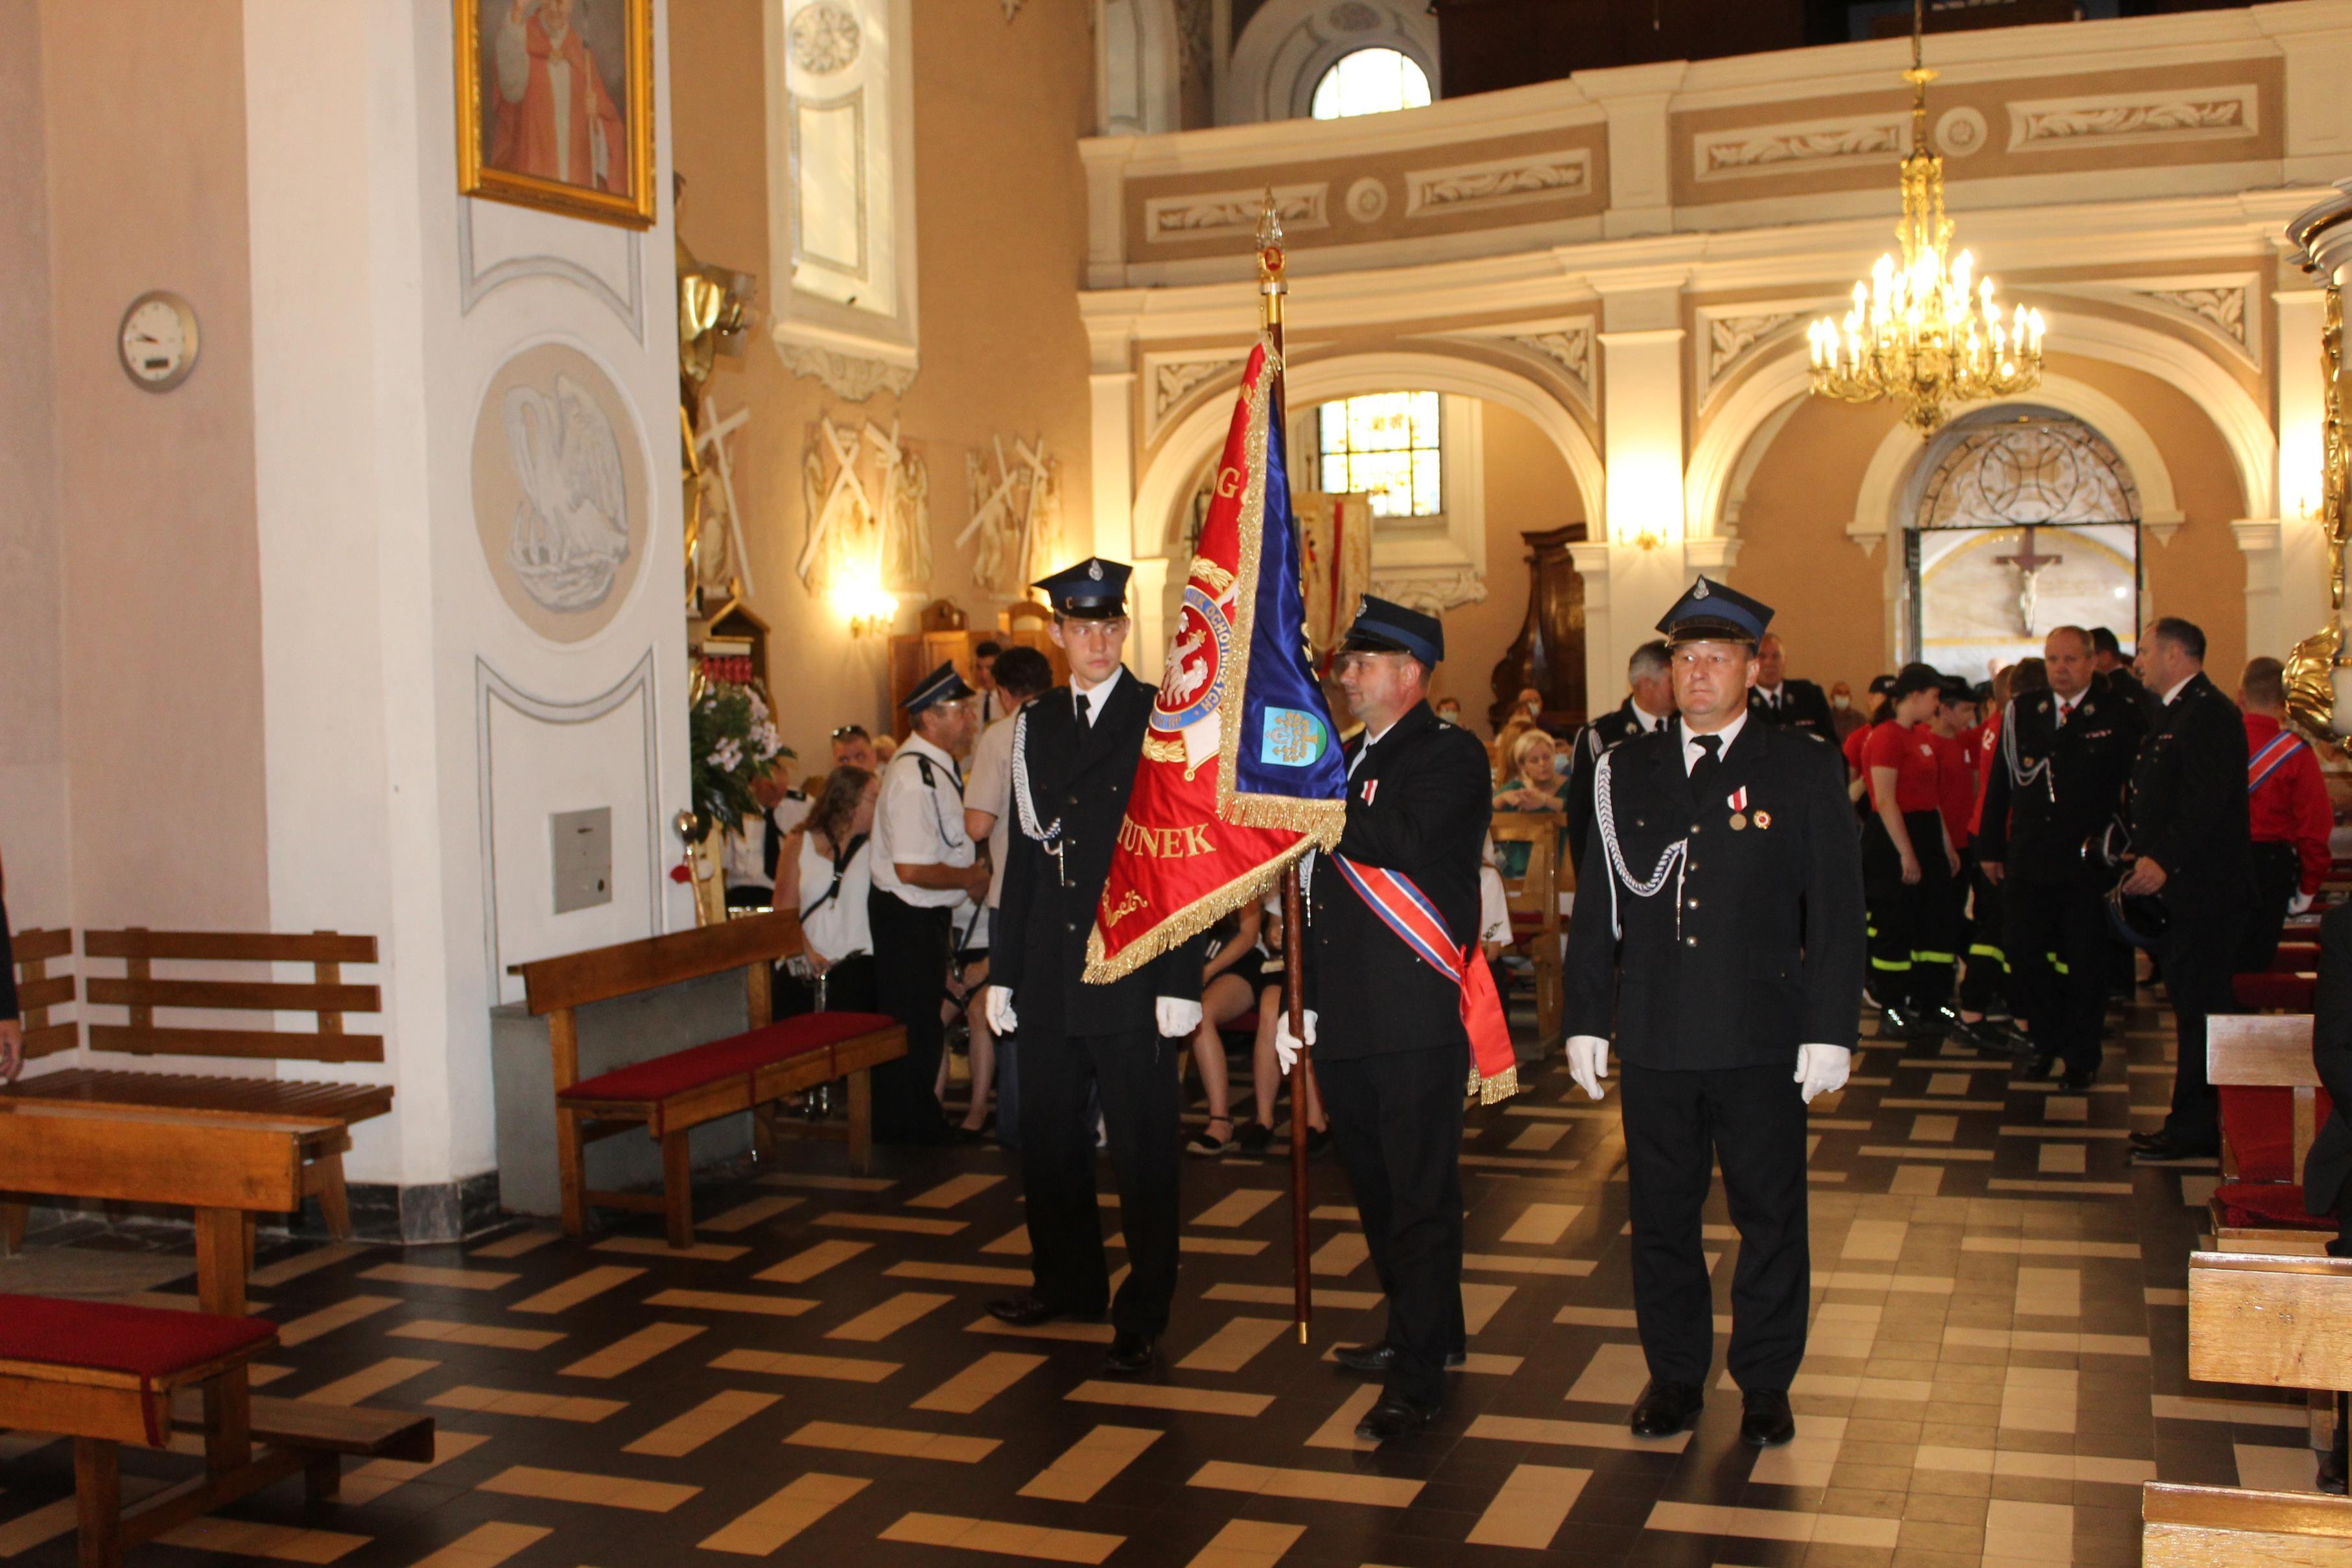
x=670, y=1095
x=38, y=991
x=139, y=992
x=2260, y=1210
x=2276, y=1321
x=2221, y=1527
x=226, y=1166
x=1534, y=899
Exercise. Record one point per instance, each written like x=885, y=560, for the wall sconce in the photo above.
x=868, y=607
x=1646, y=539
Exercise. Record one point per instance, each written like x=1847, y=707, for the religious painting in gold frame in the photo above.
x=555, y=105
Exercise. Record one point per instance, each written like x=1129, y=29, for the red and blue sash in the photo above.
x=2270, y=758
x=1407, y=911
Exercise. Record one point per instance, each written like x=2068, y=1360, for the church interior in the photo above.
x=460, y=443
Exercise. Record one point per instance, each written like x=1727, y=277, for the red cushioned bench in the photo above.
x=104, y=1375
x=2268, y=992
x=670, y=1095
x=2271, y=1105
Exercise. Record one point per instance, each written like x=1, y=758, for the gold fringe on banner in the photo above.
x=1488, y=1091
x=1186, y=923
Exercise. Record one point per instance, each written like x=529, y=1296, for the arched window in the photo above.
x=1371, y=81
x=2024, y=522
x=1385, y=445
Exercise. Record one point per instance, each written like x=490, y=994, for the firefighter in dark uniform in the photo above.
x=1719, y=946
x=1074, y=756
x=1391, y=1053
x=1647, y=706
x=2056, y=783
x=2190, y=848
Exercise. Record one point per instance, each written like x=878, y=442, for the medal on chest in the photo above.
x=1737, y=801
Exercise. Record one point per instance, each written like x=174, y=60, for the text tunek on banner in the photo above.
x=1241, y=771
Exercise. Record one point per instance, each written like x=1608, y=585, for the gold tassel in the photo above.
x=1490, y=1091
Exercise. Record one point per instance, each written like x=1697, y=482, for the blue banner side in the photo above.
x=1303, y=761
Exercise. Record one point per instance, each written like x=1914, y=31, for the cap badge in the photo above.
x=1698, y=590
x=1094, y=570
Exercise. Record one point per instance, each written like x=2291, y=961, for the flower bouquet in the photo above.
x=735, y=745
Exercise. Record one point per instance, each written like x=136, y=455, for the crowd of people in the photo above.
x=2016, y=835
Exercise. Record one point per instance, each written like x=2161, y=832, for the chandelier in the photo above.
x=1924, y=332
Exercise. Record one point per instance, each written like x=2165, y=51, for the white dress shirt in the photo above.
x=1692, y=750
x=2177, y=686
x=914, y=825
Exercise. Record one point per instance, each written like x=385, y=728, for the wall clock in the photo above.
x=158, y=340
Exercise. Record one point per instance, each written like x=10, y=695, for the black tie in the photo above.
x=772, y=852
x=1709, y=763
x=1085, y=711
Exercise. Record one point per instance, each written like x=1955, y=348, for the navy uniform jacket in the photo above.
x=2188, y=801
x=2329, y=1164
x=2036, y=829
x=1418, y=805
x=1802, y=706
x=1765, y=950
x=1603, y=735
x=1037, y=945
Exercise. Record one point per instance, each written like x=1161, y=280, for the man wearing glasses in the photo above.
x=853, y=748
x=1075, y=755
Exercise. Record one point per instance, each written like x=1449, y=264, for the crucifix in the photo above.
x=2029, y=570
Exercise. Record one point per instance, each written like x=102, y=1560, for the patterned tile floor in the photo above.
x=1996, y=1364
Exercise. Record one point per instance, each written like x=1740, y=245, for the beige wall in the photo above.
x=1794, y=553
x=1528, y=488
x=1001, y=227
x=144, y=108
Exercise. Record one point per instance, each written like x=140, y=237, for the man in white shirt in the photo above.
x=751, y=852
x=925, y=864
x=1019, y=675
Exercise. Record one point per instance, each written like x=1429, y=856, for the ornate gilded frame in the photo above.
x=633, y=209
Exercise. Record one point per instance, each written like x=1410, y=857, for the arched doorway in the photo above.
x=2024, y=519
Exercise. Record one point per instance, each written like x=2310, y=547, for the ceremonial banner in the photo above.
x=1335, y=538
x=1240, y=772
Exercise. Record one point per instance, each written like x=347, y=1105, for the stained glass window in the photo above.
x=1370, y=81
x=1384, y=445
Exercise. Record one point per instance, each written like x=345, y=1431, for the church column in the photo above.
x=2259, y=538
x=1603, y=684
x=1112, y=464
x=2298, y=607
x=1642, y=449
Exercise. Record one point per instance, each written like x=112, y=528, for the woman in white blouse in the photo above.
x=824, y=872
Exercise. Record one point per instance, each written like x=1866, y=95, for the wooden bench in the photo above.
x=38, y=991
x=2274, y=1321
x=670, y=1095
x=1533, y=896
x=2207, y=1527
x=2271, y=1105
x=139, y=992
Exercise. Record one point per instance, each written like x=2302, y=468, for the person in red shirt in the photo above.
x=1908, y=863
x=2287, y=803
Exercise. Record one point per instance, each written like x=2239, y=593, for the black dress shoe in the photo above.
x=2148, y=1139
x=1894, y=1019
x=1394, y=1415
x=2166, y=1148
x=1026, y=1312
x=1130, y=1354
x=1764, y=1418
x=1378, y=1358
x=2041, y=1064
x=1666, y=1408
x=2075, y=1079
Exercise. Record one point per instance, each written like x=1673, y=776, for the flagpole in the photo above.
x=1271, y=286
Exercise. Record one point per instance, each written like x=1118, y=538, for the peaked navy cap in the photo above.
x=1382, y=626
x=1093, y=590
x=941, y=685
x=1707, y=612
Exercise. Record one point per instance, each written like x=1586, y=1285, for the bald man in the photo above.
x=1787, y=704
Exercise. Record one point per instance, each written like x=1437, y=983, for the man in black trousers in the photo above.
x=1075, y=754
x=1391, y=1052
x=2190, y=848
x=1724, y=851
x=2056, y=783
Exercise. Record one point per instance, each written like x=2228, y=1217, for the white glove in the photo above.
x=1821, y=1069
x=999, y=1003
x=2298, y=904
x=1588, y=1061
x=1286, y=1044
x=1177, y=1019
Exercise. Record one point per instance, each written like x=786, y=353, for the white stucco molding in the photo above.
x=1165, y=484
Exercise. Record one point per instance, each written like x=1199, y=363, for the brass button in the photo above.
x=1690, y=941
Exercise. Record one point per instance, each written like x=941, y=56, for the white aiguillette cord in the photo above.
x=1605, y=817
x=1021, y=797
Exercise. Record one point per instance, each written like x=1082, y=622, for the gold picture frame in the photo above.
x=518, y=61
